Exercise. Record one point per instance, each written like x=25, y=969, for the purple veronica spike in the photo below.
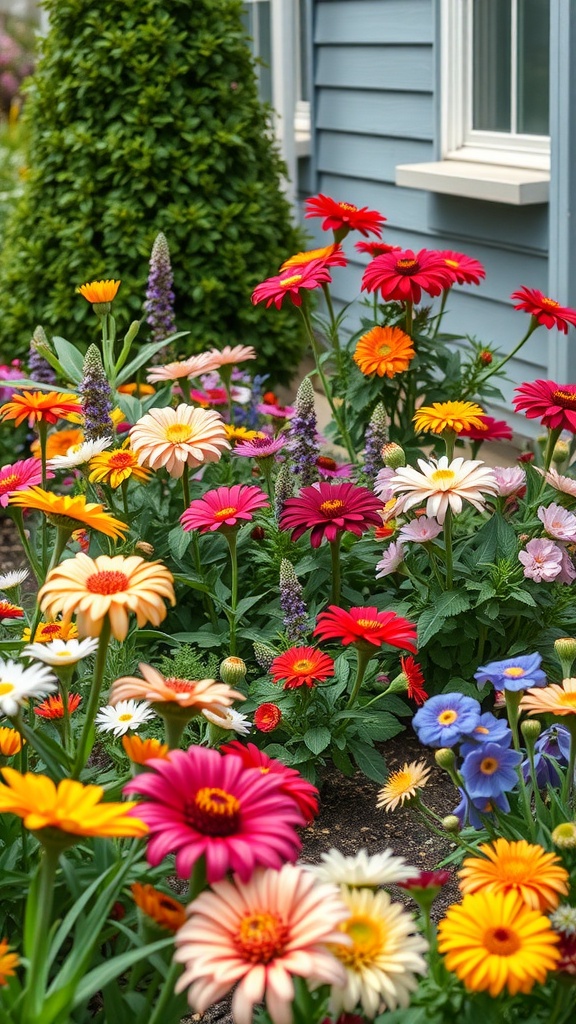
x=376, y=438
x=303, y=435
x=292, y=603
x=96, y=398
x=159, y=305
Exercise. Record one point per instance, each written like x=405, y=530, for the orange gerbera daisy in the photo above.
x=99, y=291
x=36, y=406
x=456, y=416
x=113, y=467
x=73, y=512
x=8, y=962
x=10, y=741
x=197, y=695
x=331, y=255
x=554, y=699
x=59, y=442
x=140, y=751
x=93, y=588
x=136, y=388
x=537, y=876
x=69, y=806
x=163, y=909
x=385, y=351
x=47, y=631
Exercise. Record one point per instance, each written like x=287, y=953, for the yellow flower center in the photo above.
x=406, y=265
x=482, y=729
x=443, y=476
x=107, y=582
x=452, y=263
x=348, y=206
x=214, y=812
x=566, y=399
x=367, y=936
x=225, y=513
x=447, y=717
x=261, y=936
x=126, y=717
x=551, y=303
x=383, y=349
x=120, y=460
x=305, y=665
x=369, y=623
x=514, y=672
x=8, y=483
x=488, y=765
x=6, y=688
x=331, y=507
x=501, y=941
x=63, y=654
x=288, y=282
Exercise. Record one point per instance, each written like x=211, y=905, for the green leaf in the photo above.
x=71, y=360
x=369, y=761
x=106, y=972
x=317, y=738
x=178, y=541
x=144, y=356
x=430, y=622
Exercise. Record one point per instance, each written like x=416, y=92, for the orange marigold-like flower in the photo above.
x=36, y=406
x=174, y=438
x=59, y=442
x=55, y=630
x=107, y=586
x=8, y=962
x=140, y=751
x=113, y=467
x=302, y=666
x=10, y=611
x=537, y=876
x=53, y=707
x=136, y=388
x=74, y=512
x=164, y=910
x=385, y=351
x=99, y=291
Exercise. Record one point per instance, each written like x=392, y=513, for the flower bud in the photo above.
x=144, y=548
x=485, y=357
x=445, y=758
x=258, y=533
x=451, y=823
x=561, y=452
x=393, y=455
x=232, y=671
x=264, y=654
x=565, y=648
x=564, y=835
x=530, y=729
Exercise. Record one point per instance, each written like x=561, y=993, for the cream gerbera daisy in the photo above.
x=443, y=485
x=174, y=438
x=127, y=715
x=362, y=869
x=385, y=956
x=230, y=720
x=61, y=652
x=9, y=580
x=403, y=784
x=18, y=684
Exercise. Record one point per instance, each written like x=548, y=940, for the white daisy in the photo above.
x=62, y=652
x=362, y=869
x=127, y=715
x=230, y=720
x=442, y=485
x=18, y=684
x=78, y=454
x=13, y=579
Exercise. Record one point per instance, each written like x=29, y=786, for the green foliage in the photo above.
x=149, y=122
x=187, y=663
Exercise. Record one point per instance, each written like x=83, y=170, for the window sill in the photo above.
x=493, y=183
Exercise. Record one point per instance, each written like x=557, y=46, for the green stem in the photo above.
x=327, y=390
x=124, y=486
x=502, y=362
x=231, y=539
x=64, y=677
x=16, y=515
x=449, y=441
x=335, y=556
x=553, y=436
x=184, y=383
x=334, y=337
x=206, y=598
x=512, y=711
x=363, y=659
x=448, y=548
x=174, y=726
x=87, y=737
x=63, y=534
x=37, y=932
x=186, y=486
x=409, y=317
x=440, y=316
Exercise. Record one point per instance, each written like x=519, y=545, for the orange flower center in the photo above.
x=326, y=463
x=501, y=941
x=551, y=303
x=120, y=460
x=567, y=699
x=565, y=399
x=9, y=483
x=180, y=685
x=6, y=688
x=225, y=513
x=447, y=717
x=332, y=507
x=439, y=476
x=288, y=282
x=261, y=936
x=488, y=765
x=178, y=433
x=514, y=672
x=482, y=729
x=407, y=266
x=367, y=936
x=214, y=812
x=348, y=206
x=369, y=623
x=305, y=665
x=107, y=582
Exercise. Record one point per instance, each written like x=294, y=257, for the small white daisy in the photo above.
x=78, y=454
x=61, y=652
x=18, y=684
x=362, y=869
x=128, y=715
x=230, y=720
x=8, y=580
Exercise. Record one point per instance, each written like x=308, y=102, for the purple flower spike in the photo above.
x=159, y=305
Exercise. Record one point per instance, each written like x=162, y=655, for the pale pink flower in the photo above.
x=391, y=559
x=191, y=367
x=257, y=936
x=567, y=572
x=542, y=560
x=420, y=530
x=510, y=479
x=558, y=522
x=382, y=483
x=173, y=438
x=565, y=484
x=443, y=485
x=231, y=354
x=260, y=447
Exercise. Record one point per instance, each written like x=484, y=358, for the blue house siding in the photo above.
x=375, y=107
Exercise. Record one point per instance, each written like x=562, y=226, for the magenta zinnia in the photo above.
x=344, y=217
x=402, y=276
x=199, y=803
x=464, y=269
x=330, y=509
x=301, y=666
x=366, y=625
x=553, y=404
x=223, y=507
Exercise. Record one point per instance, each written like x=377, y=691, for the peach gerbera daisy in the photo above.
x=73, y=512
x=196, y=694
x=554, y=699
x=205, y=362
x=385, y=351
x=140, y=751
x=93, y=588
x=443, y=485
x=98, y=292
x=174, y=438
x=231, y=354
x=36, y=406
x=525, y=868
x=116, y=466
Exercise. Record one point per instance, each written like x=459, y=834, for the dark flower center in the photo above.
x=324, y=462
x=565, y=399
x=407, y=266
x=501, y=941
x=214, y=812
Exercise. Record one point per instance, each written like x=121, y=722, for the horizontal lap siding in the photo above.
x=375, y=108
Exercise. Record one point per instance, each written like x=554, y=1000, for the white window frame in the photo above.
x=459, y=140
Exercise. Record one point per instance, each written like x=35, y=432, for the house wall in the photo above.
x=376, y=105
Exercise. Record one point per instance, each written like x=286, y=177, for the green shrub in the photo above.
x=144, y=117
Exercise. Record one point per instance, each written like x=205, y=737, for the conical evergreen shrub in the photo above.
x=143, y=116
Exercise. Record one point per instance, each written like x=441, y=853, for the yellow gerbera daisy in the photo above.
x=69, y=806
x=525, y=868
x=554, y=699
x=74, y=512
x=8, y=962
x=99, y=291
x=456, y=416
x=234, y=433
x=113, y=467
x=48, y=631
x=385, y=351
x=309, y=255
x=403, y=784
x=492, y=941
x=164, y=910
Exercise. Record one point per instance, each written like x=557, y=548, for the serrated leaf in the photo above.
x=178, y=541
x=341, y=669
x=430, y=622
x=342, y=761
x=317, y=738
x=524, y=597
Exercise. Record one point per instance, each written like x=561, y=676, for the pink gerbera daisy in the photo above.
x=464, y=269
x=279, y=412
x=18, y=477
x=553, y=404
x=306, y=276
x=366, y=626
x=330, y=509
x=547, y=311
x=260, y=447
x=402, y=276
x=344, y=217
x=199, y=803
x=295, y=785
x=256, y=937
x=329, y=468
x=227, y=507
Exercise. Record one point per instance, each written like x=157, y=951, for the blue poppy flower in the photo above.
x=468, y=811
x=490, y=770
x=443, y=720
x=513, y=673
x=489, y=730
x=545, y=770
x=555, y=742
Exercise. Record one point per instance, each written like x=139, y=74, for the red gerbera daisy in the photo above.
x=306, y=275
x=547, y=311
x=553, y=404
x=496, y=430
x=344, y=217
x=302, y=792
x=367, y=626
x=53, y=707
x=301, y=666
x=10, y=611
x=464, y=269
x=414, y=679
x=329, y=509
x=267, y=717
x=402, y=276
x=224, y=507
x=376, y=248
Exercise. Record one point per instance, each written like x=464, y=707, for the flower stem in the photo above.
x=502, y=362
x=335, y=555
x=231, y=538
x=186, y=486
x=448, y=548
x=37, y=933
x=87, y=737
x=363, y=658
x=16, y=515
x=327, y=390
x=513, y=699
x=334, y=337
